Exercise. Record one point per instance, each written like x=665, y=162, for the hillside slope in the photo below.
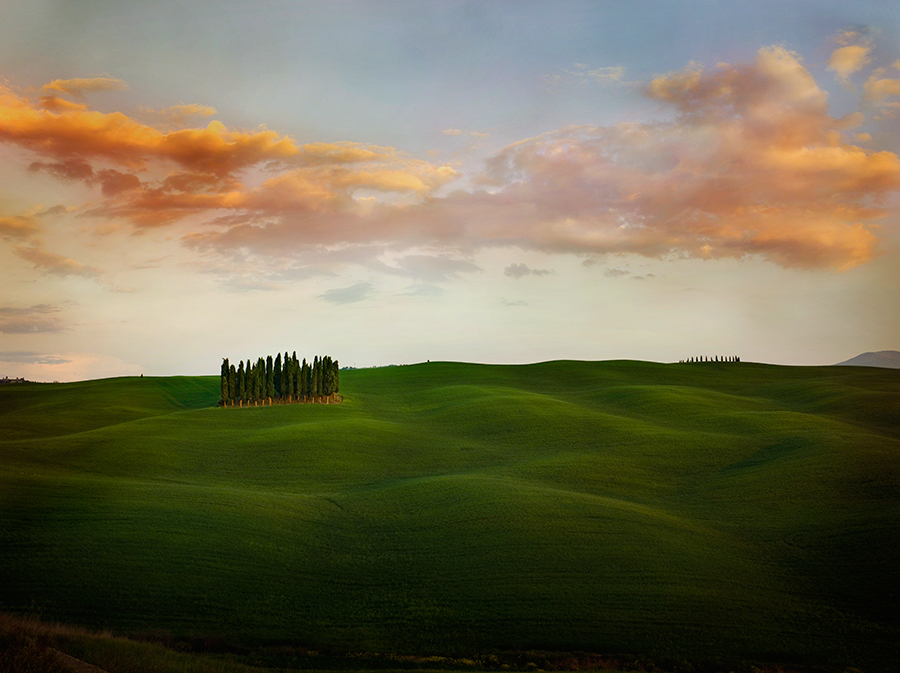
x=696, y=510
x=888, y=359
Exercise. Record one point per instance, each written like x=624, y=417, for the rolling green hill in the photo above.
x=688, y=510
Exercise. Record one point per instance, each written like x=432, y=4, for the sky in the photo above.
x=389, y=182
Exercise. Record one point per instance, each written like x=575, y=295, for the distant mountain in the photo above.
x=889, y=359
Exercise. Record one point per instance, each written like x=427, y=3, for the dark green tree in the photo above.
x=270, y=378
x=304, y=379
x=286, y=375
x=327, y=376
x=316, y=387
x=224, y=382
x=239, y=394
x=260, y=379
x=276, y=376
x=337, y=376
x=295, y=376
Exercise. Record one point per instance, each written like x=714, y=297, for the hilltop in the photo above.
x=735, y=511
x=888, y=359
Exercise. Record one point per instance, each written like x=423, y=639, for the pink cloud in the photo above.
x=749, y=163
x=37, y=318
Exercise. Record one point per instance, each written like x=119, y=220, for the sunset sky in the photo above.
x=496, y=181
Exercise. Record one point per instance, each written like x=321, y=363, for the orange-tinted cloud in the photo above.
x=65, y=169
x=882, y=90
x=18, y=226
x=77, y=132
x=749, y=163
x=201, y=166
x=845, y=61
x=179, y=114
x=753, y=165
x=52, y=263
x=77, y=87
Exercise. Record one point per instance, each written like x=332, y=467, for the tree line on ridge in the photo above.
x=280, y=380
x=714, y=358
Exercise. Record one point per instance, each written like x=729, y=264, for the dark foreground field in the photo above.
x=695, y=512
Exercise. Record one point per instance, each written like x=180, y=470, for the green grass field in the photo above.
x=696, y=511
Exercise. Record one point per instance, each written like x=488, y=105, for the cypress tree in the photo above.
x=295, y=376
x=270, y=378
x=304, y=379
x=286, y=375
x=314, y=389
x=327, y=376
x=337, y=376
x=276, y=376
x=260, y=379
x=288, y=378
x=224, y=381
x=248, y=381
x=239, y=394
x=232, y=383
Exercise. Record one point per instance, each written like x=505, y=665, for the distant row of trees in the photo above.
x=280, y=380
x=714, y=358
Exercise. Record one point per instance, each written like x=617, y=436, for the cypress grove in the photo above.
x=282, y=380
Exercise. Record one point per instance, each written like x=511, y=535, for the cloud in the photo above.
x=77, y=87
x=171, y=175
x=30, y=357
x=78, y=133
x=582, y=73
x=423, y=290
x=52, y=263
x=37, y=318
x=18, y=226
x=432, y=268
x=879, y=89
x=520, y=270
x=615, y=273
x=458, y=132
x=178, y=114
x=845, y=61
x=68, y=170
x=751, y=165
x=608, y=74
x=113, y=182
x=746, y=161
x=349, y=295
